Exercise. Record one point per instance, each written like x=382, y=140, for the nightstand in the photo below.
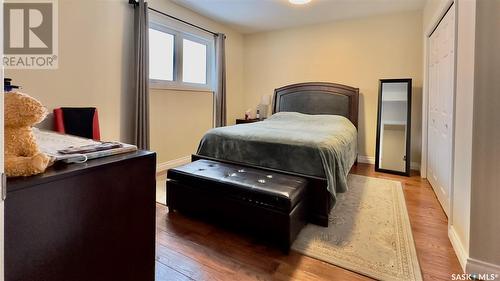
x=246, y=121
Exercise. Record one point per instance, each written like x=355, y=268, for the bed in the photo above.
x=312, y=133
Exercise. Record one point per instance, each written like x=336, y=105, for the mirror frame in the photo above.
x=408, y=127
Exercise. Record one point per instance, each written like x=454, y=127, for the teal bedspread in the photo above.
x=315, y=145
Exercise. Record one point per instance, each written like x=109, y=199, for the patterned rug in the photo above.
x=369, y=232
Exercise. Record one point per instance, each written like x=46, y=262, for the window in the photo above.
x=161, y=53
x=194, y=58
x=180, y=57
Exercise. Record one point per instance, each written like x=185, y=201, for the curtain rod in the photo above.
x=134, y=2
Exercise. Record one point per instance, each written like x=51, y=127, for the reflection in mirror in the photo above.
x=393, y=130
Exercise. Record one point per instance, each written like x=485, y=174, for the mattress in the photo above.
x=315, y=145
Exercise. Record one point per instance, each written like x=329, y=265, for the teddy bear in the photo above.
x=22, y=155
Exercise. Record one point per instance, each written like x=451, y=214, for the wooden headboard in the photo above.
x=318, y=98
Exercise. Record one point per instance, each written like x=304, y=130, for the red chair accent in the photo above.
x=59, y=121
x=79, y=121
x=96, y=132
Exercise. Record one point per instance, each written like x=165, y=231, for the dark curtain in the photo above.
x=141, y=75
x=220, y=80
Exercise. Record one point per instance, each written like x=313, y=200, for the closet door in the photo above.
x=441, y=99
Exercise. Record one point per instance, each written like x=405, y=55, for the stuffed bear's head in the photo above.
x=22, y=110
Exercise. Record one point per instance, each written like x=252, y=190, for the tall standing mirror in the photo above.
x=393, y=127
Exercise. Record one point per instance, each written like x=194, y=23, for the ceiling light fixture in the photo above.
x=299, y=2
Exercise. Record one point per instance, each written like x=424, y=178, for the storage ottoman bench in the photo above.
x=267, y=204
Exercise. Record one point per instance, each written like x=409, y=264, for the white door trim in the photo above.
x=445, y=5
x=460, y=249
x=425, y=99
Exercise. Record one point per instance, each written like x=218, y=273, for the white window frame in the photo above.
x=181, y=31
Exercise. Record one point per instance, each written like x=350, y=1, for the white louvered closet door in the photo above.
x=441, y=99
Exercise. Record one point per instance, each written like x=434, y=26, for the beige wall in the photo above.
x=353, y=52
x=485, y=195
x=178, y=121
x=179, y=118
x=95, y=69
x=95, y=47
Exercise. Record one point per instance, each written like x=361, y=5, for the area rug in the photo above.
x=369, y=232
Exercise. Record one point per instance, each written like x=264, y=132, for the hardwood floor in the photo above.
x=188, y=249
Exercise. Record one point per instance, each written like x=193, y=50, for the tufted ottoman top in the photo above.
x=270, y=189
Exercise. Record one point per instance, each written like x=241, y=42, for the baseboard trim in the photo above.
x=482, y=267
x=371, y=160
x=366, y=159
x=470, y=265
x=163, y=167
x=415, y=166
x=457, y=245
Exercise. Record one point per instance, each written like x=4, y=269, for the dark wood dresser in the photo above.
x=91, y=221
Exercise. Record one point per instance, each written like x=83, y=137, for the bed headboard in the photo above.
x=318, y=98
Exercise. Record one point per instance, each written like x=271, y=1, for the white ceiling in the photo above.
x=249, y=16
